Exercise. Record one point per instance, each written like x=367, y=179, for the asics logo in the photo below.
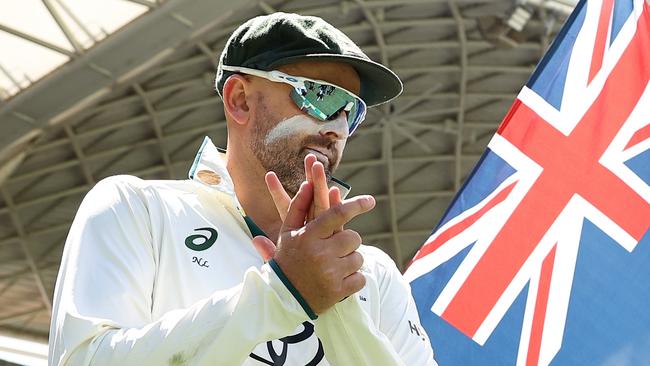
x=201, y=242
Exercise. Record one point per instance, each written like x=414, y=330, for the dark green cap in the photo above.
x=269, y=41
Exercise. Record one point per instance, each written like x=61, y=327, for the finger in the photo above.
x=310, y=159
x=321, y=194
x=335, y=199
x=298, y=208
x=335, y=196
x=326, y=224
x=280, y=197
x=352, y=284
x=344, y=243
x=351, y=263
x=264, y=247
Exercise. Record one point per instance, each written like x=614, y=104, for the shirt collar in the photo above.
x=209, y=169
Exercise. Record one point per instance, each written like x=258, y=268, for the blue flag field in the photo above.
x=543, y=257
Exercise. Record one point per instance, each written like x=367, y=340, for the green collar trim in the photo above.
x=256, y=231
x=276, y=268
x=253, y=228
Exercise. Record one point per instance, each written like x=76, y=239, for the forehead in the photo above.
x=336, y=73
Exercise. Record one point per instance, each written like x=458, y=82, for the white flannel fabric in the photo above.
x=164, y=273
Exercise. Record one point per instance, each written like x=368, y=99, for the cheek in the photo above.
x=298, y=125
x=340, y=146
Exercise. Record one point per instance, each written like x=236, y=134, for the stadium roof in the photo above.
x=37, y=36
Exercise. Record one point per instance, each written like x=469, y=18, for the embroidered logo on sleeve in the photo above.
x=201, y=242
x=415, y=330
x=281, y=359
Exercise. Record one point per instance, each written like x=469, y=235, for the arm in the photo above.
x=399, y=318
x=350, y=337
x=102, y=303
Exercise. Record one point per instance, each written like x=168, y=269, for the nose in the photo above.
x=337, y=128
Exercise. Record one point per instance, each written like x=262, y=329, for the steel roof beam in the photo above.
x=115, y=151
x=348, y=5
x=113, y=126
x=147, y=40
x=403, y=46
x=146, y=3
x=387, y=156
x=81, y=158
x=20, y=314
x=155, y=123
x=387, y=151
x=25, y=334
x=460, y=118
x=29, y=258
x=417, y=195
x=64, y=27
x=38, y=41
x=36, y=233
x=119, y=150
x=76, y=19
x=26, y=270
x=369, y=238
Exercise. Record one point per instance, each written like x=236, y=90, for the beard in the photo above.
x=285, y=155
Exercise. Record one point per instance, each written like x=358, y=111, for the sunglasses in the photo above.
x=318, y=98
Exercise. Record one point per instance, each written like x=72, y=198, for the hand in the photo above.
x=324, y=197
x=320, y=262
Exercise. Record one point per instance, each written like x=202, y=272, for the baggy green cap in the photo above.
x=269, y=41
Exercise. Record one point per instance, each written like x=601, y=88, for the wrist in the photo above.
x=296, y=294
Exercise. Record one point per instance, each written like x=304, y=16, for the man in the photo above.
x=223, y=269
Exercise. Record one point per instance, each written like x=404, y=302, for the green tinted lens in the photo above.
x=324, y=102
x=307, y=106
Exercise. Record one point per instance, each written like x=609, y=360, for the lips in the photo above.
x=321, y=155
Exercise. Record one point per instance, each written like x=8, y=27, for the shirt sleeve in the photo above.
x=103, y=296
x=399, y=318
x=350, y=337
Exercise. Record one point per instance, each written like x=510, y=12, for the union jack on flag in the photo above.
x=543, y=257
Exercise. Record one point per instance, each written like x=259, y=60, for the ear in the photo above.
x=234, y=98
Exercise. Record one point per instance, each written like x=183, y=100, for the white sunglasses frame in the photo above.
x=295, y=81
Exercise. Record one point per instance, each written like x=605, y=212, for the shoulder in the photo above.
x=119, y=183
x=111, y=195
x=121, y=187
x=115, y=189
x=133, y=196
x=119, y=191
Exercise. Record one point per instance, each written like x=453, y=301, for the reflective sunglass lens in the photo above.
x=325, y=102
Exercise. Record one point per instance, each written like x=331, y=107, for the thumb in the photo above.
x=264, y=247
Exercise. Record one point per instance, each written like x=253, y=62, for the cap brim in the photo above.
x=378, y=83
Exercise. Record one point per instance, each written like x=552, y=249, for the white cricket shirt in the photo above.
x=164, y=273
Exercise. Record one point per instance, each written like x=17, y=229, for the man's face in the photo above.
x=282, y=135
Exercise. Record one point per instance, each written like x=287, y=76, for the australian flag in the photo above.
x=543, y=257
